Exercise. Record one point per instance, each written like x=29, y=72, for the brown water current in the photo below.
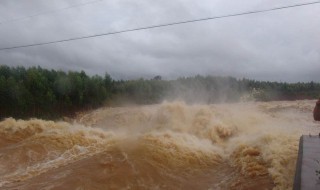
x=166, y=146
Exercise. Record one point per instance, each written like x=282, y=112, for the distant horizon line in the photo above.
x=149, y=77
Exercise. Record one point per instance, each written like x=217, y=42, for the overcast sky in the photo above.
x=282, y=45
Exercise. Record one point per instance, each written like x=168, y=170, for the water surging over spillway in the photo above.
x=166, y=146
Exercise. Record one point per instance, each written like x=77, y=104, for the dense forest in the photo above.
x=43, y=93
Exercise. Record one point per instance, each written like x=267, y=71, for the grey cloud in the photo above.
x=280, y=45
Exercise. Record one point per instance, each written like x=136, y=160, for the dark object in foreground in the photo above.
x=308, y=164
x=316, y=111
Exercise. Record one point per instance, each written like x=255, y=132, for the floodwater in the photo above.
x=166, y=146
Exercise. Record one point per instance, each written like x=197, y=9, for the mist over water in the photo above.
x=166, y=146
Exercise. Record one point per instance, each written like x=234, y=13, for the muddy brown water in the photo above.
x=167, y=146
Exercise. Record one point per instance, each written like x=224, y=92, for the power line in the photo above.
x=159, y=26
x=49, y=12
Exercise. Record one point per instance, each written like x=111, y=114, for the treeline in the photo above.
x=268, y=91
x=43, y=93
x=46, y=93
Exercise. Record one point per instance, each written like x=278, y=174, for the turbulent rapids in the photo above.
x=166, y=146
